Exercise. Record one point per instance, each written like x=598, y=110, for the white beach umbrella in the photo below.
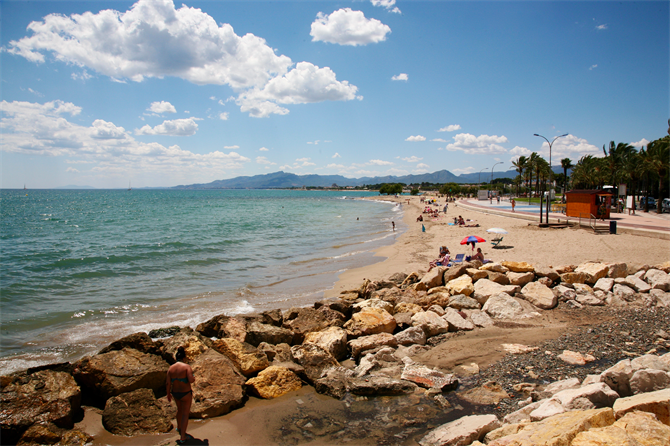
x=497, y=231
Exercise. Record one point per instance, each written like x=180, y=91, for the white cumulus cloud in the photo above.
x=264, y=160
x=380, y=163
x=400, y=77
x=569, y=147
x=348, y=27
x=388, y=4
x=337, y=155
x=416, y=138
x=177, y=127
x=641, y=143
x=153, y=39
x=450, y=128
x=223, y=116
x=162, y=107
x=412, y=159
x=482, y=144
x=263, y=149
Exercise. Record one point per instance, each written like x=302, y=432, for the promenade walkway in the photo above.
x=649, y=224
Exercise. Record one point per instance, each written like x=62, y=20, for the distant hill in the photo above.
x=287, y=180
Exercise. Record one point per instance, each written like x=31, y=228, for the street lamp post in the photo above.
x=550, y=175
x=492, y=174
x=479, y=182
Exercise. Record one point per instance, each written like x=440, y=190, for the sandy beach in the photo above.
x=262, y=422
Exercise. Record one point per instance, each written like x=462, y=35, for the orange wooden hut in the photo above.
x=582, y=203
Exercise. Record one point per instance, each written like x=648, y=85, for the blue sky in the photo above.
x=157, y=93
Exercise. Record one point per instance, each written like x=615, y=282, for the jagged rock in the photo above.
x=550, y=273
x=599, y=394
x=332, y=339
x=461, y=301
x=618, y=377
x=334, y=381
x=593, y=271
x=456, y=321
x=549, y=408
x=247, y=358
x=453, y=273
x=658, y=280
x=194, y=345
x=649, y=381
x=380, y=385
x=411, y=336
x=657, y=402
x=485, y=288
x=340, y=305
x=306, y=320
x=503, y=431
x=135, y=413
x=120, y=371
x=565, y=269
x=564, y=384
x=370, y=342
x=520, y=278
x=460, y=285
x=46, y=396
x=476, y=274
x=624, y=292
x=314, y=359
x=224, y=326
x=274, y=382
x=645, y=428
x=429, y=378
x=499, y=278
x=558, y=430
x=604, y=284
x=582, y=288
x=397, y=278
x=539, y=295
x=479, y=318
x=589, y=299
x=276, y=353
x=403, y=320
x=38, y=434
x=575, y=358
x=411, y=279
x=574, y=277
x=488, y=393
x=662, y=298
x=257, y=333
x=495, y=267
x=546, y=281
x=370, y=321
x=138, y=341
x=430, y=322
x=463, y=431
x=503, y=306
x=522, y=415
x=406, y=307
x=637, y=284
x=373, y=303
x=218, y=387
x=434, y=277
x=649, y=362
x=273, y=317
x=564, y=293
x=437, y=310
x=379, y=362
x=519, y=267
x=615, y=270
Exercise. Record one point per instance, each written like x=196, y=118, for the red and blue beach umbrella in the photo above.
x=472, y=239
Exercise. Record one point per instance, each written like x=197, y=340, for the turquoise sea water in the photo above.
x=79, y=269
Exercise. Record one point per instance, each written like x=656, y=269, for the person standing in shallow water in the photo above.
x=393, y=224
x=178, y=386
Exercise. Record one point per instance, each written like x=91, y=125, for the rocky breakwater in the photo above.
x=368, y=342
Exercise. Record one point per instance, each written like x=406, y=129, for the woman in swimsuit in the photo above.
x=178, y=385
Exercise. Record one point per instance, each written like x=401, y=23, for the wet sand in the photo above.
x=307, y=418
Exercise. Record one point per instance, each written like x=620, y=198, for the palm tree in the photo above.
x=566, y=163
x=530, y=167
x=519, y=165
x=659, y=163
x=615, y=160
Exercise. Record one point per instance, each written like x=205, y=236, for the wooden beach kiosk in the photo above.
x=584, y=203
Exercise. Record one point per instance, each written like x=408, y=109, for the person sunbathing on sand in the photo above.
x=461, y=221
x=444, y=260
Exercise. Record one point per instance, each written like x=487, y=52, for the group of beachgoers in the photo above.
x=444, y=258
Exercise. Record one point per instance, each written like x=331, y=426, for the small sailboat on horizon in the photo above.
x=129, y=187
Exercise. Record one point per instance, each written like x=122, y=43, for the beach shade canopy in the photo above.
x=497, y=231
x=472, y=238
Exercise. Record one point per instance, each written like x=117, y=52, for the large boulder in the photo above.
x=429, y=378
x=44, y=397
x=370, y=321
x=634, y=428
x=461, y=285
x=637, y=284
x=411, y=336
x=520, y=278
x=332, y=339
x=454, y=272
x=434, y=277
x=247, y=358
x=604, y=284
x=334, y=381
x=257, y=333
x=120, y=371
x=218, y=387
x=503, y=306
x=647, y=380
x=618, y=377
x=305, y=321
x=274, y=382
x=539, y=295
x=574, y=277
x=371, y=342
x=479, y=318
x=593, y=271
x=462, y=431
x=495, y=267
x=547, y=272
x=135, y=413
x=380, y=385
x=456, y=321
x=519, y=267
x=657, y=402
x=658, y=279
x=431, y=323
x=139, y=341
x=599, y=394
x=463, y=302
x=314, y=359
x=485, y=288
x=616, y=270
x=193, y=342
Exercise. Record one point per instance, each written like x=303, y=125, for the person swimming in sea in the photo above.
x=178, y=386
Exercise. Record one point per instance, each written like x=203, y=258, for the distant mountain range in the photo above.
x=287, y=180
